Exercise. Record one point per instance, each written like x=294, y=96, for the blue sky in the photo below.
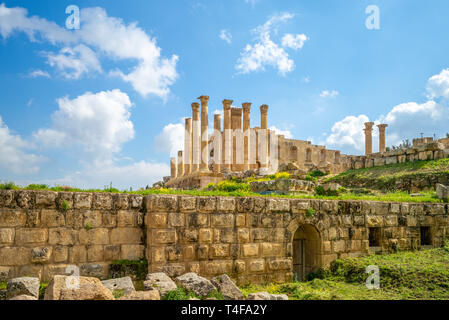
x=105, y=103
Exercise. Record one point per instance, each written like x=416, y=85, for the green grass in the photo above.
x=3, y=285
x=179, y=294
x=385, y=177
x=403, y=276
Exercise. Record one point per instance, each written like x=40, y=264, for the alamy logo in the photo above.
x=73, y=20
x=372, y=22
x=373, y=281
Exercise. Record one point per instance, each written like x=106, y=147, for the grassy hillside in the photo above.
x=409, y=176
x=404, y=275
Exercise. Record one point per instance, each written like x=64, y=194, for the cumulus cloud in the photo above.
x=438, y=85
x=15, y=155
x=286, y=133
x=405, y=121
x=39, y=73
x=348, y=133
x=97, y=123
x=226, y=36
x=108, y=36
x=74, y=62
x=329, y=94
x=292, y=41
x=264, y=51
x=171, y=139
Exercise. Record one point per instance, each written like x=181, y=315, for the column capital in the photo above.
x=382, y=126
x=264, y=108
x=188, y=120
x=195, y=107
x=369, y=125
x=204, y=99
x=246, y=106
x=227, y=104
x=217, y=116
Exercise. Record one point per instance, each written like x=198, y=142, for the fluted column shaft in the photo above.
x=188, y=146
x=227, y=134
x=382, y=144
x=368, y=137
x=217, y=143
x=196, y=142
x=204, y=166
x=246, y=134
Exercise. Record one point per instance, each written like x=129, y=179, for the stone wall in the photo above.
x=42, y=233
x=250, y=239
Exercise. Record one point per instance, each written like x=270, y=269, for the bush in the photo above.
x=316, y=173
x=319, y=190
x=179, y=294
x=8, y=186
x=231, y=186
x=310, y=212
x=37, y=187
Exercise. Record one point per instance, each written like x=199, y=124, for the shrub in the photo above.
x=319, y=190
x=179, y=294
x=37, y=187
x=8, y=186
x=230, y=186
x=310, y=212
x=316, y=173
x=282, y=175
x=65, y=205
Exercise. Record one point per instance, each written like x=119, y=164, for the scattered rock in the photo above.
x=159, y=281
x=24, y=297
x=62, y=288
x=125, y=284
x=266, y=296
x=23, y=286
x=442, y=191
x=193, y=282
x=332, y=186
x=227, y=288
x=142, y=295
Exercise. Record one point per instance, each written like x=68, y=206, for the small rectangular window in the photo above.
x=426, y=238
x=374, y=237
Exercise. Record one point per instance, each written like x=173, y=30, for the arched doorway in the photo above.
x=306, y=251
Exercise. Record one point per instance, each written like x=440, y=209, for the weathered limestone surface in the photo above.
x=248, y=238
x=191, y=281
x=88, y=289
x=23, y=286
x=159, y=281
x=225, y=285
x=125, y=284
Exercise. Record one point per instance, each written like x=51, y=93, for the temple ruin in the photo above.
x=238, y=147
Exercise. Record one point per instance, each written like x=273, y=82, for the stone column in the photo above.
x=188, y=146
x=237, y=141
x=382, y=128
x=227, y=135
x=218, y=139
x=263, y=139
x=173, y=167
x=180, y=164
x=204, y=166
x=368, y=137
x=196, y=142
x=246, y=135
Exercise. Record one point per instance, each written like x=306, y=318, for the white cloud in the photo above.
x=74, y=62
x=171, y=139
x=438, y=85
x=286, y=133
x=265, y=52
x=108, y=36
x=295, y=42
x=39, y=73
x=226, y=36
x=348, y=134
x=14, y=155
x=98, y=124
x=329, y=94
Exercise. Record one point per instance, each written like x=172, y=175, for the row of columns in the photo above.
x=225, y=143
x=369, y=137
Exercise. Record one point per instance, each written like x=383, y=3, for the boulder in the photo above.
x=62, y=288
x=227, y=288
x=266, y=296
x=193, y=282
x=24, y=297
x=442, y=191
x=332, y=186
x=142, y=295
x=125, y=284
x=23, y=286
x=159, y=281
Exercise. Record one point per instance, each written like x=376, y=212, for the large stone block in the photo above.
x=7, y=236
x=52, y=218
x=61, y=236
x=64, y=201
x=216, y=267
x=15, y=256
x=257, y=265
x=102, y=201
x=99, y=236
x=187, y=204
x=6, y=198
x=95, y=253
x=126, y=236
x=205, y=235
x=250, y=250
x=60, y=254
x=278, y=205
x=135, y=201
x=132, y=252
x=92, y=218
x=12, y=218
x=280, y=264
x=245, y=204
x=41, y=254
x=25, y=199
x=156, y=220
x=197, y=220
x=45, y=199
x=77, y=254
x=165, y=203
x=219, y=251
x=126, y=218
x=112, y=252
x=120, y=201
x=23, y=286
x=31, y=236
x=176, y=219
x=222, y=220
x=82, y=200
x=207, y=204
x=226, y=204
x=167, y=236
